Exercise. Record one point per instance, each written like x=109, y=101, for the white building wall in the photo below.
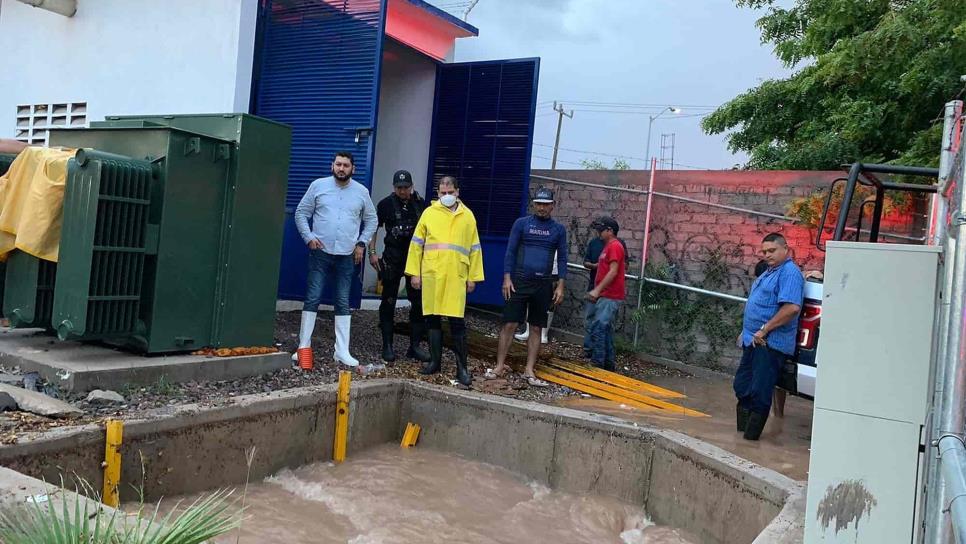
x=128, y=57
x=406, y=93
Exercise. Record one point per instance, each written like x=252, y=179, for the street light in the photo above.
x=647, y=153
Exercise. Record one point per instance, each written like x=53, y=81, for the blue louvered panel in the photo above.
x=318, y=72
x=320, y=75
x=483, y=134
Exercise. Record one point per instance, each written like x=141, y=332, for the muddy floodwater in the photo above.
x=389, y=495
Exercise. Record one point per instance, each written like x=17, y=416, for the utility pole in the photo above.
x=469, y=8
x=556, y=144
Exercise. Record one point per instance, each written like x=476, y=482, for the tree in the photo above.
x=621, y=164
x=596, y=164
x=873, y=80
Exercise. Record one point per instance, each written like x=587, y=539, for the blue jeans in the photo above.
x=601, y=320
x=325, y=267
x=588, y=312
x=756, y=377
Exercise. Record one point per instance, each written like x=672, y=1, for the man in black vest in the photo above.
x=399, y=212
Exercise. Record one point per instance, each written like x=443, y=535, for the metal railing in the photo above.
x=945, y=484
x=681, y=286
x=952, y=460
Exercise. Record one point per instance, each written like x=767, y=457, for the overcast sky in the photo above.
x=695, y=54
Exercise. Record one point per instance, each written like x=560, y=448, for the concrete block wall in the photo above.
x=690, y=243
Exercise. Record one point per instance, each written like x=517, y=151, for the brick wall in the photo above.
x=692, y=244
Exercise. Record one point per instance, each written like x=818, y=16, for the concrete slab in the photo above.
x=80, y=368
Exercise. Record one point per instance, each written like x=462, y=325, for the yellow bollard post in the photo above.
x=341, y=417
x=112, y=462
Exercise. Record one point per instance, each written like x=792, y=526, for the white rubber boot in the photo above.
x=523, y=335
x=342, y=327
x=305, y=332
x=544, y=338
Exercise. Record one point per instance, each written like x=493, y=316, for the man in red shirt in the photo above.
x=607, y=294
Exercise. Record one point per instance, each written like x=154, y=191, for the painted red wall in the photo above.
x=688, y=240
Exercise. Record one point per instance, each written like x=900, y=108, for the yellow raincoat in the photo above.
x=446, y=252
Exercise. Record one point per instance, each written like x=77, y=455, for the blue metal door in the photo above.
x=483, y=135
x=318, y=71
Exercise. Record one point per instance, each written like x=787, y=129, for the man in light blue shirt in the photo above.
x=768, y=334
x=343, y=221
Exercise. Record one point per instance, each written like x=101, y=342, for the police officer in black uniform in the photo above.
x=399, y=212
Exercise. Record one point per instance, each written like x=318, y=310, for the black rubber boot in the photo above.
x=462, y=373
x=743, y=414
x=388, y=355
x=756, y=424
x=435, y=352
x=418, y=330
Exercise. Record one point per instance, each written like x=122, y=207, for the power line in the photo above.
x=626, y=157
x=697, y=167
x=594, y=153
x=632, y=112
x=639, y=105
x=558, y=160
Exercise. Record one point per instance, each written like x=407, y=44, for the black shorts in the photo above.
x=530, y=300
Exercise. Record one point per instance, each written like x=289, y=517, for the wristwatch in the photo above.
x=360, y=244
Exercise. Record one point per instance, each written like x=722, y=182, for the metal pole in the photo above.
x=698, y=290
x=726, y=207
x=466, y=12
x=846, y=201
x=948, y=391
x=681, y=286
x=938, y=204
x=647, y=148
x=952, y=459
x=556, y=144
x=647, y=235
x=673, y=141
x=586, y=184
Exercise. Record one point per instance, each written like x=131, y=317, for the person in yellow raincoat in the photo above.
x=445, y=262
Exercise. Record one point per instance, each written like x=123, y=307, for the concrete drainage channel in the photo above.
x=680, y=481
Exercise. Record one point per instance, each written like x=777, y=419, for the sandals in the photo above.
x=490, y=374
x=536, y=382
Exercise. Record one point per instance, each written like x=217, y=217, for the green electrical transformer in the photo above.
x=171, y=238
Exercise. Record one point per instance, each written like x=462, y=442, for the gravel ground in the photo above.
x=366, y=345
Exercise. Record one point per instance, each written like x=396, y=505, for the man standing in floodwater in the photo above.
x=768, y=334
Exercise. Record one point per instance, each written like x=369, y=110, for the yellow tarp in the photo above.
x=32, y=202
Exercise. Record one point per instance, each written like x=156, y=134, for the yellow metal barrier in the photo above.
x=410, y=436
x=615, y=379
x=610, y=392
x=112, y=462
x=341, y=417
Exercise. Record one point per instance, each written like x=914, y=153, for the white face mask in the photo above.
x=447, y=200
